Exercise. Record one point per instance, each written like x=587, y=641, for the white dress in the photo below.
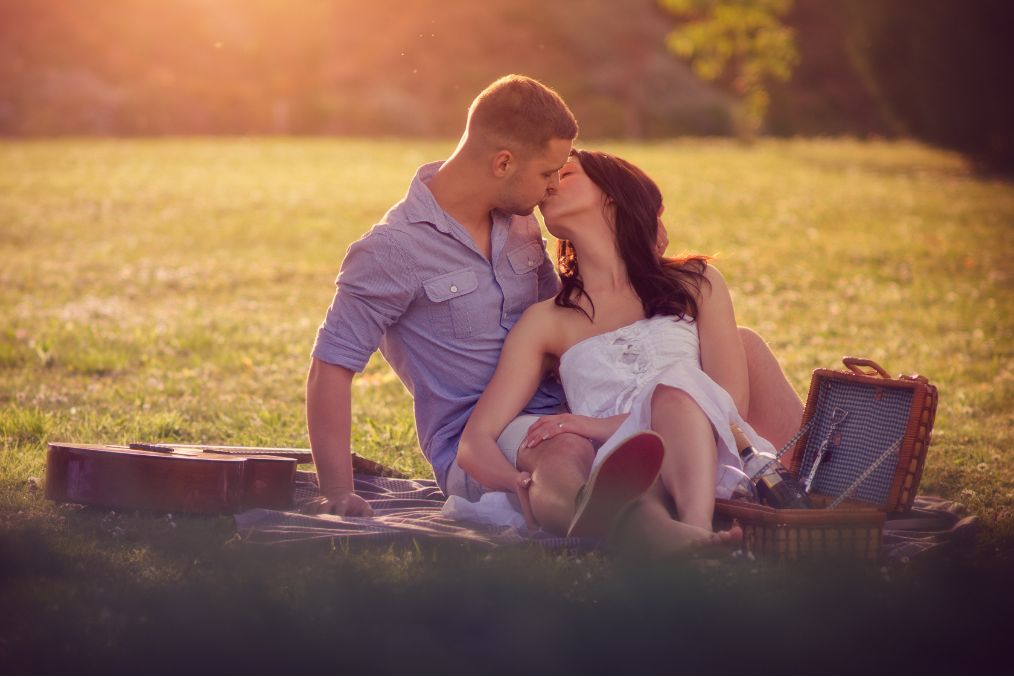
x=617, y=372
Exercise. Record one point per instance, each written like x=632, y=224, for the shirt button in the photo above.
x=454, y=288
x=531, y=262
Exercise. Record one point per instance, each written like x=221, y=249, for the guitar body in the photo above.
x=166, y=478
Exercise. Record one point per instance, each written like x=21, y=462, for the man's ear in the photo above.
x=504, y=163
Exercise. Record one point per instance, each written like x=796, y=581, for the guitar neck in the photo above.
x=301, y=455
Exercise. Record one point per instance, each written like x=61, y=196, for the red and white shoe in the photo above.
x=626, y=473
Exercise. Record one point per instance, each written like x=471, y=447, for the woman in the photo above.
x=641, y=342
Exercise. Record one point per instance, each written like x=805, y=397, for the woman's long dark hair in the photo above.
x=666, y=285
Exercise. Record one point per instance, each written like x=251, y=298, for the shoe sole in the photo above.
x=622, y=477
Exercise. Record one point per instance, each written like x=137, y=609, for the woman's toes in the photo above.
x=733, y=536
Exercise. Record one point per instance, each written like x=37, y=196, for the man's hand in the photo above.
x=342, y=504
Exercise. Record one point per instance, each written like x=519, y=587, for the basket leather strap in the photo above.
x=865, y=475
x=795, y=437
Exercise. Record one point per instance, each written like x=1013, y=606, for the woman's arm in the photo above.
x=518, y=374
x=722, y=354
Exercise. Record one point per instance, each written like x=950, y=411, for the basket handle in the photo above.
x=854, y=364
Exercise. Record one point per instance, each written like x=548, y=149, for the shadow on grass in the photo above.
x=450, y=609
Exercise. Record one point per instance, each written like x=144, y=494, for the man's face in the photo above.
x=535, y=177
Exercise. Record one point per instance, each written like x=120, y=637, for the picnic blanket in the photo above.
x=404, y=509
x=408, y=509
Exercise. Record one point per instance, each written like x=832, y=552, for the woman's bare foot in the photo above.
x=647, y=526
x=730, y=538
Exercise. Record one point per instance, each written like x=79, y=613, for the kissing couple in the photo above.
x=600, y=394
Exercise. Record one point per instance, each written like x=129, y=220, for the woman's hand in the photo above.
x=597, y=429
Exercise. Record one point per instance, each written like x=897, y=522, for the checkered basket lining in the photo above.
x=872, y=426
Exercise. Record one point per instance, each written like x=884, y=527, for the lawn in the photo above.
x=171, y=290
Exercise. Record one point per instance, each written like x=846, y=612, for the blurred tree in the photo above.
x=942, y=71
x=401, y=67
x=826, y=95
x=740, y=43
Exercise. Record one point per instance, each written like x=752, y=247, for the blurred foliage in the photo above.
x=826, y=95
x=942, y=71
x=389, y=67
x=937, y=70
x=742, y=44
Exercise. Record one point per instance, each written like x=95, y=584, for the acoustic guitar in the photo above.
x=180, y=477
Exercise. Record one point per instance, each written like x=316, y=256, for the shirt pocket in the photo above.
x=523, y=290
x=453, y=297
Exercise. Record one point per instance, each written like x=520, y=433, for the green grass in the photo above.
x=171, y=289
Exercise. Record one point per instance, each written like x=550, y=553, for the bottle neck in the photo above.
x=742, y=442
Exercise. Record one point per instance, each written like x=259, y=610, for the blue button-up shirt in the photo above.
x=417, y=287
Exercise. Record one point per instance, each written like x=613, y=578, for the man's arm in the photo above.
x=375, y=287
x=329, y=424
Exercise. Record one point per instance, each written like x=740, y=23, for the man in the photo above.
x=439, y=283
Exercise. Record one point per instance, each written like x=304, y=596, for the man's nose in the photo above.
x=554, y=182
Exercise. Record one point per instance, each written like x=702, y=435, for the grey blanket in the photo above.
x=407, y=509
x=404, y=509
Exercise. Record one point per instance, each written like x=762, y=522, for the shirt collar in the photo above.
x=420, y=205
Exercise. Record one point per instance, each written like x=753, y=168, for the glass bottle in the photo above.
x=776, y=485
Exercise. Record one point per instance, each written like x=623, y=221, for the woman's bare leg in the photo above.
x=687, y=478
x=691, y=456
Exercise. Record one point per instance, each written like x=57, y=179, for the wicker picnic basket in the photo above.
x=859, y=455
x=852, y=530
x=857, y=416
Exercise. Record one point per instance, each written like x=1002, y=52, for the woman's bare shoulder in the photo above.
x=540, y=313
x=712, y=273
x=713, y=282
x=716, y=281
x=545, y=320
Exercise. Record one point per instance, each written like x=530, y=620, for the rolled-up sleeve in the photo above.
x=376, y=284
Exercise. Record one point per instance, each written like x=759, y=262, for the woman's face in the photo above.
x=575, y=201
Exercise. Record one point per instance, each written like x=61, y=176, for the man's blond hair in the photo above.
x=516, y=110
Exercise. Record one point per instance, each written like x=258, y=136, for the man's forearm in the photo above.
x=329, y=425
